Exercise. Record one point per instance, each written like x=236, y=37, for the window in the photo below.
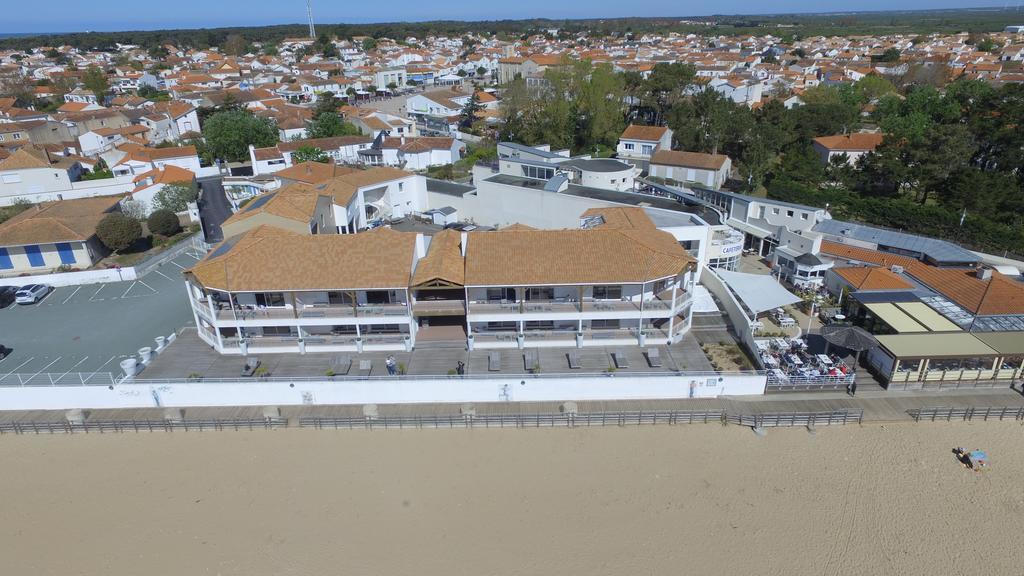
x=339, y=298
x=538, y=172
x=270, y=299
x=803, y=215
x=11, y=178
x=540, y=293
x=604, y=324
x=628, y=146
x=789, y=213
x=401, y=186
x=647, y=149
x=607, y=292
x=17, y=136
x=277, y=331
x=499, y=294
x=66, y=253
x=775, y=211
x=1, y=137
x=35, y=256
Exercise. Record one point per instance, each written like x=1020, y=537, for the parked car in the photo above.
x=32, y=293
x=7, y=295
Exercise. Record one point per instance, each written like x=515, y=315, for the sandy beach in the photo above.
x=699, y=499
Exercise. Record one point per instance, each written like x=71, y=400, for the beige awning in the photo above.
x=899, y=320
x=936, y=345
x=924, y=314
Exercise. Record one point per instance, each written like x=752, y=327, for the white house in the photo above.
x=139, y=159
x=852, y=145
x=148, y=185
x=706, y=169
x=418, y=153
x=54, y=234
x=31, y=171
x=641, y=142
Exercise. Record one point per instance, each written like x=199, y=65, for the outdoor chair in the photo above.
x=251, y=364
x=620, y=359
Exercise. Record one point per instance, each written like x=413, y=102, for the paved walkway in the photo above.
x=189, y=355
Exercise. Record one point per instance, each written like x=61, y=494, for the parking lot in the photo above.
x=91, y=328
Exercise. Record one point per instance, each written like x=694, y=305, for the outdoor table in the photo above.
x=770, y=361
x=824, y=360
x=794, y=360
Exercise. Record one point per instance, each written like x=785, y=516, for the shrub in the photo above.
x=163, y=222
x=118, y=231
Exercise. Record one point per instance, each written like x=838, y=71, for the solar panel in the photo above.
x=225, y=246
x=260, y=201
x=939, y=250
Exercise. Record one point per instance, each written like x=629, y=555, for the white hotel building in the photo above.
x=619, y=281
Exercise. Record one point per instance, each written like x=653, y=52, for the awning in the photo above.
x=924, y=314
x=899, y=320
x=749, y=228
x=935, y=345
x=758, y=292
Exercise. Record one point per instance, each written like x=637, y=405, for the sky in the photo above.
x=112, y=15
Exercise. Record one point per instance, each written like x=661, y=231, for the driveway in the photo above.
x=214, y=207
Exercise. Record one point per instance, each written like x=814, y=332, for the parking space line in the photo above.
x=72, y=368
x=42, y=369
x=146, y=285
x=97, y=292
x=18, y=366
x=129, y=289
x=96, y=371
x=72, y=295
x=164, y=275
x=178, y=265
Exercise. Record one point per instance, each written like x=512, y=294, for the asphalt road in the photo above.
x=214, y=207
x=94, y=326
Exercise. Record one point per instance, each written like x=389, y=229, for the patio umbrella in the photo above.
x=849, y=337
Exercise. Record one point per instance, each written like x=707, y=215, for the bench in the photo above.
x=365, y=367
x=494, y=361
x=574, y=360
x=620, y=359
x=654, y=357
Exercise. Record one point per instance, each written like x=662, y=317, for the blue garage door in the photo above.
x=35, y=256
x=67, y=255
x=5, y=260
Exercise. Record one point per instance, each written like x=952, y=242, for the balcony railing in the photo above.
x=311, y=312
x=556, y=306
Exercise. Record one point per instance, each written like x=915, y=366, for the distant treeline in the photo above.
x=791, y=26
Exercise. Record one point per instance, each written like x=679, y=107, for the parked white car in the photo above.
x=32, y=293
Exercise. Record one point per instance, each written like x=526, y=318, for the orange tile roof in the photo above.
x=996, y=296
x=443, y=261
x=61, y=221
x=689, y=159
x=271, y=259
x=645, y=133
x=852, y=142
x=873, y=278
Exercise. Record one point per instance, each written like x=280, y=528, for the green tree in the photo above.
x=176, y=196
x=228, y=134
x=667, y=85
x=890, y=55
x=118, y=231
x=329, y=125
x=481, y=71
x=468, y=115
x=600, y=106
x=235, y=45
x=95, y=81
x=163, y=222
x=310, y=154
x=369, y=44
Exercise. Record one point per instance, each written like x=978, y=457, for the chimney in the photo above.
x=983, y=273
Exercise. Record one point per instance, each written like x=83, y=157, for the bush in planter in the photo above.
x=163, y=222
